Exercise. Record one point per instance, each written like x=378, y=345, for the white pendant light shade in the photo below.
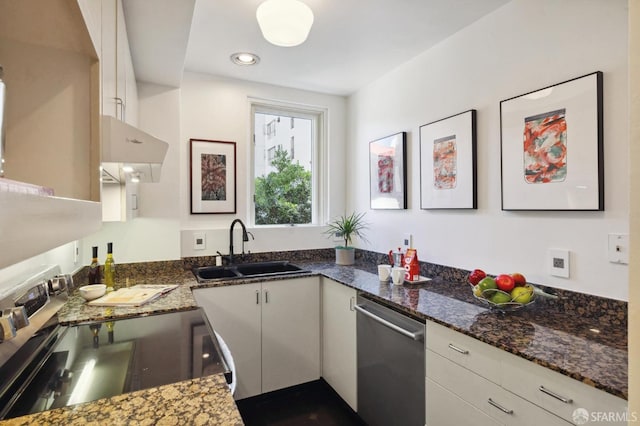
x=284, y=23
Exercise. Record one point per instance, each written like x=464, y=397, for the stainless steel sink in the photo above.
x=245, y=270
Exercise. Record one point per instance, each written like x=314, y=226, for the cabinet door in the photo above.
x=446, y=409
x=108, y=57
x=290, y=332
x=234, y=312
x=339, y=356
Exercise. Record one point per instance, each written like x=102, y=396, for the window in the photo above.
x=286, y=170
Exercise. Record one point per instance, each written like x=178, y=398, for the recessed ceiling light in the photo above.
x=244, y=58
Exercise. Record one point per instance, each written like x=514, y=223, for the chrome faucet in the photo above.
x=245, y=237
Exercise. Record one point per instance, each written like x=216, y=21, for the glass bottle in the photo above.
x=95, y=277
x=109, y=268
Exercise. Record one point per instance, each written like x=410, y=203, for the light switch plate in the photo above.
x=199, y=241
x=559, y=263
x=619, y=248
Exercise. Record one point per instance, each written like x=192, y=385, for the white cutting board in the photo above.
x=132, y=296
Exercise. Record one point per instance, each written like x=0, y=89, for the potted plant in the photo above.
x=347, y=227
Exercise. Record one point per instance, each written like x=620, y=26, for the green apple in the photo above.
x=487, y=286
x=501, y=297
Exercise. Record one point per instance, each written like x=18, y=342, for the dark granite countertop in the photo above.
x=584, y=349
x=576, y=346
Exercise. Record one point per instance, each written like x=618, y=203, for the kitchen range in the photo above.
x=62, y=365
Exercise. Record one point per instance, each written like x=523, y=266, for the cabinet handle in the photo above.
x=266, y=296
x=499, y=407
x=555, y=395
x=457, y=349
x=352, y=302
x=257, y=297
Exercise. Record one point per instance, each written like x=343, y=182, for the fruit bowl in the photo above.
x=489, y=296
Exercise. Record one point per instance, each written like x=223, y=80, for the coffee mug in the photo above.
x=397, y=275
x=384, y=272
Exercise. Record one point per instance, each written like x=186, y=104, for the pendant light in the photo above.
x=285, y=23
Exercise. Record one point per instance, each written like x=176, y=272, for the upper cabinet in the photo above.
x=52, y=122
x=119, y=90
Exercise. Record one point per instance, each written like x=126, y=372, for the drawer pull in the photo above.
x=499, y=407
x=555, y=395
x=457, y=349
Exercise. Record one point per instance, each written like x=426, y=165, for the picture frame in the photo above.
x=551, y=144
x=213, y=176
x=388, y=172
x=448, y=163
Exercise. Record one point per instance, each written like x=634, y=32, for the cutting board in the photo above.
x=132, y=296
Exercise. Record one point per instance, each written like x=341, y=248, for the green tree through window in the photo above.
x=283, y=196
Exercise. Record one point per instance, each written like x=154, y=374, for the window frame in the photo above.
x=319, y=170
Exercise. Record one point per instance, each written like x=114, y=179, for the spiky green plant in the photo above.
x=347, y=227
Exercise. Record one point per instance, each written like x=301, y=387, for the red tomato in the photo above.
x=505, y=282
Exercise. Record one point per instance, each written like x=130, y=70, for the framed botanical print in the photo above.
x=213, y=176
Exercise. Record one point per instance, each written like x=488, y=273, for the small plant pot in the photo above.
x=345, y=255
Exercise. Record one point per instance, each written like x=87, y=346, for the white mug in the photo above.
x=397, y=275
x=384, y=272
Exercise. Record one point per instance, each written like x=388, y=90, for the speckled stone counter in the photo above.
x=594, y=352
x=76, y=310
x=205, y=401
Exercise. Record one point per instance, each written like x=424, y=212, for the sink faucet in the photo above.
x=245, y=237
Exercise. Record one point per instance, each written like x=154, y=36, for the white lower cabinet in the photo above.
x=272, y=329
x=503, y=386
x=444, y=408
x=339, y=356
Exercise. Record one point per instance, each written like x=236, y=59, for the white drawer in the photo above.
x=446, y=409
x=466, y=351
x=497, y=402
x=531, y=381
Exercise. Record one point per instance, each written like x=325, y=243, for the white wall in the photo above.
x=155, y=235
x=523, y=46
x=219, y=109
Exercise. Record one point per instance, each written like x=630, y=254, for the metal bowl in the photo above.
x=506, y=306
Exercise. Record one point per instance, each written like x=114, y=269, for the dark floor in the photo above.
x=314, y=403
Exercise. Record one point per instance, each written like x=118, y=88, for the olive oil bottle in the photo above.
x=109, y=268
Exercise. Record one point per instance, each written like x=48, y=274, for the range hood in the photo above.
x=138, y=153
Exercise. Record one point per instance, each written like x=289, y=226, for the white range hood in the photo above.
x=131, y=147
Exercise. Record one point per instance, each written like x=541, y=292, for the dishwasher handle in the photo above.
x=418, y=335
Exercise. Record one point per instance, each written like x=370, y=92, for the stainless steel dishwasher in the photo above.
x=391, y=366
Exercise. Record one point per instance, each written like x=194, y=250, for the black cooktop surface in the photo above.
x=105, y=359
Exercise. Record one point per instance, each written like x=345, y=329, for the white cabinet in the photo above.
x=272, y=329
x=339, y=356
x=51, y=71
x=507, y=388
x=447, y=409
x=119, y=92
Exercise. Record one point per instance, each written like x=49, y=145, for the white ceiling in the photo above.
x=352, y=42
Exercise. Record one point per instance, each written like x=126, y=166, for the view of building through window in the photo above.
x=283, y=166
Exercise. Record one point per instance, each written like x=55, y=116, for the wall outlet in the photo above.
x=199, y=241
x=559, y=263
x=619, y=248
x=407, y=242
